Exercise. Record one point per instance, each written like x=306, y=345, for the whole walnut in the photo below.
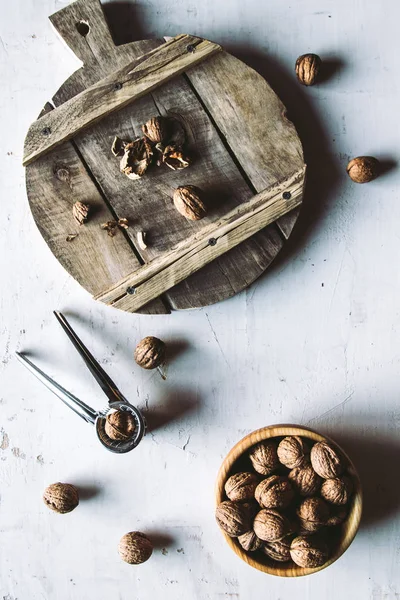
x=338, y=515
x=135, y=548
x=307, y=68
x=120, y=425
x=274, y=492
x=304, y=480
x=337, y=490
x=264, y=457
x=189, y=202
x=156, y=130
x=270, y=526
x=309, y=551
x=249, y=541
x=234, y=518
x=293, y=452
x=326, y=461
x=313, y=513
x=150, y=352
x=80, y=212
x=61, y=497
x=241, y=486
x=363, y=169
x=279, y=551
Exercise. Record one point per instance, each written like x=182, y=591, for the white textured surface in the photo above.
x=315, y=341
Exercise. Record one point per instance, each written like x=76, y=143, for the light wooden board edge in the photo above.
x=192, y=254
x=112, y=93
x=349, y=527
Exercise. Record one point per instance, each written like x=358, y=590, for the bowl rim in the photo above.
x=283, y=430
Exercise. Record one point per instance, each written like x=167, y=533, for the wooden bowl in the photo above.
x=343, y=535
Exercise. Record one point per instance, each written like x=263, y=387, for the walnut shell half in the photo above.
x=326, y=461
x=308, y=551
x=264, y=458
x=293, y=451
x=188, y=201
x=274, y=492
x=156, y=130
x=270, y=526
x=241, y=486
x=136, y=158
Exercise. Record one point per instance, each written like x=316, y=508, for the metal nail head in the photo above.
x=118, y=86
x=212, y=242
x=286, y=195
x=131, y=290
x=190, y=48
x=46, y=131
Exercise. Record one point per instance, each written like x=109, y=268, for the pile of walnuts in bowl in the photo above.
x=288, y=506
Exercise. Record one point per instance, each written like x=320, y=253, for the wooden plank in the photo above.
x=114, y=92
x=216, y=239
x=275, y=149
x=54, y=182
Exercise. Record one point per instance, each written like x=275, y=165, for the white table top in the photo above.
x=315, y=341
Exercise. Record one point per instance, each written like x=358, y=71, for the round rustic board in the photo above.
x=238, y=134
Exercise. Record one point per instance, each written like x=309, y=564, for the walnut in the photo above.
x=80, y=212
x=337, y=490
x=274, y=492
x=110, y=227
x=188, y=201
x=338, y=515
x=136, y=158
x=249, y=541
x=156, y=130
x=150, y=352
x=326, y=461
x=313, y=514
x=363, y=169
x=175, y=159
x=135, y=548
x=120, y=425
x=305, y=480
x=279, y=551
x=264, y=458
x=241, y=486
x=293, y=452
x=270, y=526
x=234, y=518
x=309, y=551
x=61, y=497
x=307, y=68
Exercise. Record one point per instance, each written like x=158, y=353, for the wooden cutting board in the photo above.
x=248, y=160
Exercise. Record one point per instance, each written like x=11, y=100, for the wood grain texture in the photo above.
x=114, y=92
x=348, y=529
x=193, y=253
x=228, y=274
x=244, y=107
x=54, y=183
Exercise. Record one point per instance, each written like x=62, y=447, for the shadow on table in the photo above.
x=177, y=404
x=376, y=459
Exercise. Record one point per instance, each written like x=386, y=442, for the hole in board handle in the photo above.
x=83, y=28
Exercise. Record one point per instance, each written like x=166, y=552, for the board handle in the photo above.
x=84, y=28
